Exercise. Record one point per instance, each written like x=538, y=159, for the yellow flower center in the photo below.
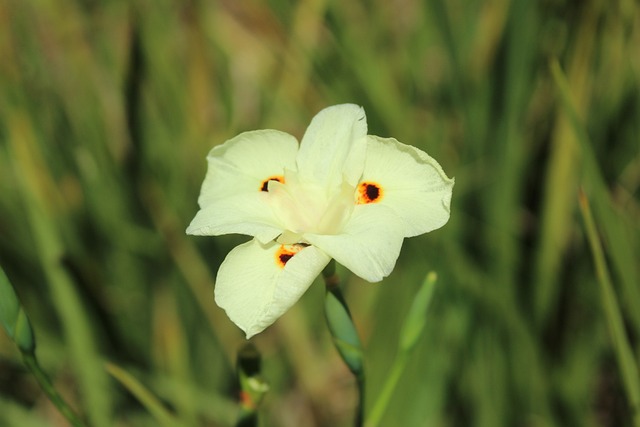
x=304, y=207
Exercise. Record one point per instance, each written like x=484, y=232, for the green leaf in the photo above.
x=13, y=317
x=416, y=319
x=615, y=322
x=144, y=396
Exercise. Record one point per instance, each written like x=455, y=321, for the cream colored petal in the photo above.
x=333, y=147
x=255, y=286
x=369, y=244
x=244, y=213
x=232, y=199
x=241, y=164
x=412, y=184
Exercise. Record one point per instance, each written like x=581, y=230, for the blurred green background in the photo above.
x=108, y=109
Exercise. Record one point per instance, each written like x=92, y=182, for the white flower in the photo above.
x=338, y=194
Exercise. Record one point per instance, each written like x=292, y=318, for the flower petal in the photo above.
x=247, y=214
x=258, y=283
x=333, y=147
x=369, y=244
x=412, y=184
x=245, y=161
x=233, y=198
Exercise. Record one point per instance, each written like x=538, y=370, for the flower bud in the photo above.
x=343, y=331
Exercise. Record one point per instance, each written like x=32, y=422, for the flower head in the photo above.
x=338, y=194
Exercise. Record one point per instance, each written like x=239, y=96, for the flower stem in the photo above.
x=45, y=383
x=389, y=386
x=15, y=321
x=344, y=334
x=411, y=331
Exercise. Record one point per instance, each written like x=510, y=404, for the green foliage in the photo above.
x=13, y=318
x=416, y=319
x=109, y=108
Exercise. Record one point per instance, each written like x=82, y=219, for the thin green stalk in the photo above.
x=621, y=346
x=45, y=383
x=384, y=398
x=344, y=334
x=13, y=317
x=15, y=321
x=412, y=329
x=146, y=397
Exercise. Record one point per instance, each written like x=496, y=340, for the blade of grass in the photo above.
x=189, y=262
x=171, y=350
x=615, y=227
x=34, y=181
x=621, y=346
x=208, y=404
x=148, y=400
x=561, y=180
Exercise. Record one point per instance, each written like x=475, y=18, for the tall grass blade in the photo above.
x=32, y=178
x=147, y=398
x=624, y=353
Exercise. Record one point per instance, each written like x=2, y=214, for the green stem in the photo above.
x=382, y=402
x=411, y=331
x=45, y=383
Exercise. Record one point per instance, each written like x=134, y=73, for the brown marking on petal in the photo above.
x=369, y=192
x=265, y=184
x=286, y=252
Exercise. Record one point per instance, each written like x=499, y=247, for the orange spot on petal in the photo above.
x=265, y=184
x=285, y=253
x=369, y=192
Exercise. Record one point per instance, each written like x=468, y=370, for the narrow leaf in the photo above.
x=146, y=397
x=13, y=317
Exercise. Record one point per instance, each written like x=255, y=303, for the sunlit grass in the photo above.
x=106, y=115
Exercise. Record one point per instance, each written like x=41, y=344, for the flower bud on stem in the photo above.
x=15, y=321
x=411, y=331
x=252, y=386
x=344, y=334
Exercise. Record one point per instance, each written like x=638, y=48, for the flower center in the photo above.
x=304, y=207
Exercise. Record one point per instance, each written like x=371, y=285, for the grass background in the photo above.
x=107, y=111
